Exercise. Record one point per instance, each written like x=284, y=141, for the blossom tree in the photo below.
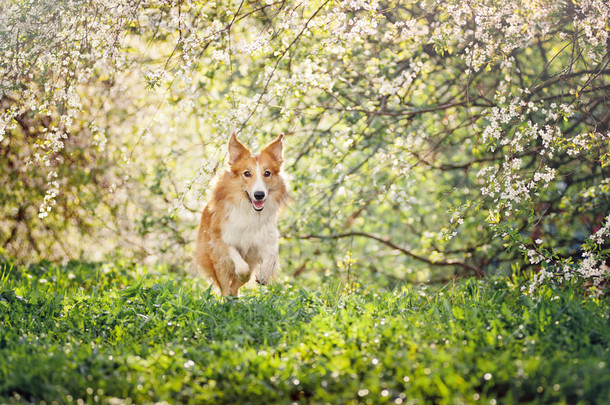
x=434, y=138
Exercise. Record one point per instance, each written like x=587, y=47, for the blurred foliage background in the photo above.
x=424, y=139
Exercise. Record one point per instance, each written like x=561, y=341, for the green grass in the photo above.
x=118, y=333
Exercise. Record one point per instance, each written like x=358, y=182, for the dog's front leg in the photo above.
x=270, y=263
x=241, y=267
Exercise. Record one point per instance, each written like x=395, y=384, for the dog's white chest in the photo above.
x=247, y=229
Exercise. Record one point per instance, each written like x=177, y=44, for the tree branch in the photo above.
x=388, y=242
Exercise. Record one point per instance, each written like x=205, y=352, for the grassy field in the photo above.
x=118, y=333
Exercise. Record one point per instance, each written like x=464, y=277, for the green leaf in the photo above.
x=458, y=312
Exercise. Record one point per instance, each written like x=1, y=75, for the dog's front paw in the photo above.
x=267, y=269
x=243, y=272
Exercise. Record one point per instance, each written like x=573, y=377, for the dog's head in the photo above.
x=258, y=175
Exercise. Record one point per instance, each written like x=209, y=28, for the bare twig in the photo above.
x=388, y=242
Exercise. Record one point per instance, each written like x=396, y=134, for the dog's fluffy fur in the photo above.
x=238, y=233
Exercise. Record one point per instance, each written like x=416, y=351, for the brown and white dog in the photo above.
x=238, y=233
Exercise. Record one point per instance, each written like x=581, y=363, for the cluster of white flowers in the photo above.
x=354, y=30
x=155, y=77
x=593, y=20
x=51, y=193
x=355, y=5
x=402, y=81
x=50, y=51
x=584, y=142
x=261, y=44
x=602, y=233
x=547, y=175
x=507, y=128
x=521, y=23
x=309, y=74
x=542, y=277
x=592, y=267
x=413, y=29
x=533, y=256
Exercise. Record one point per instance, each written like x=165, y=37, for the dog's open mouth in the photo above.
x=258, y=205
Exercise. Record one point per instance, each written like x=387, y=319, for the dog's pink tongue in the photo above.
x=258, y=204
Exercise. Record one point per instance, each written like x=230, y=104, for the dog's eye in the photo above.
x=247, y=173
x=267, y=173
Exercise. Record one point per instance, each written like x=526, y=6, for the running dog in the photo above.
x=238, y=233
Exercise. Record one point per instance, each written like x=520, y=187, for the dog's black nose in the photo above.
x=259, y=195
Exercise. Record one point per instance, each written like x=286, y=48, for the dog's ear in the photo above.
x=237, y=151
x=275, y=149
